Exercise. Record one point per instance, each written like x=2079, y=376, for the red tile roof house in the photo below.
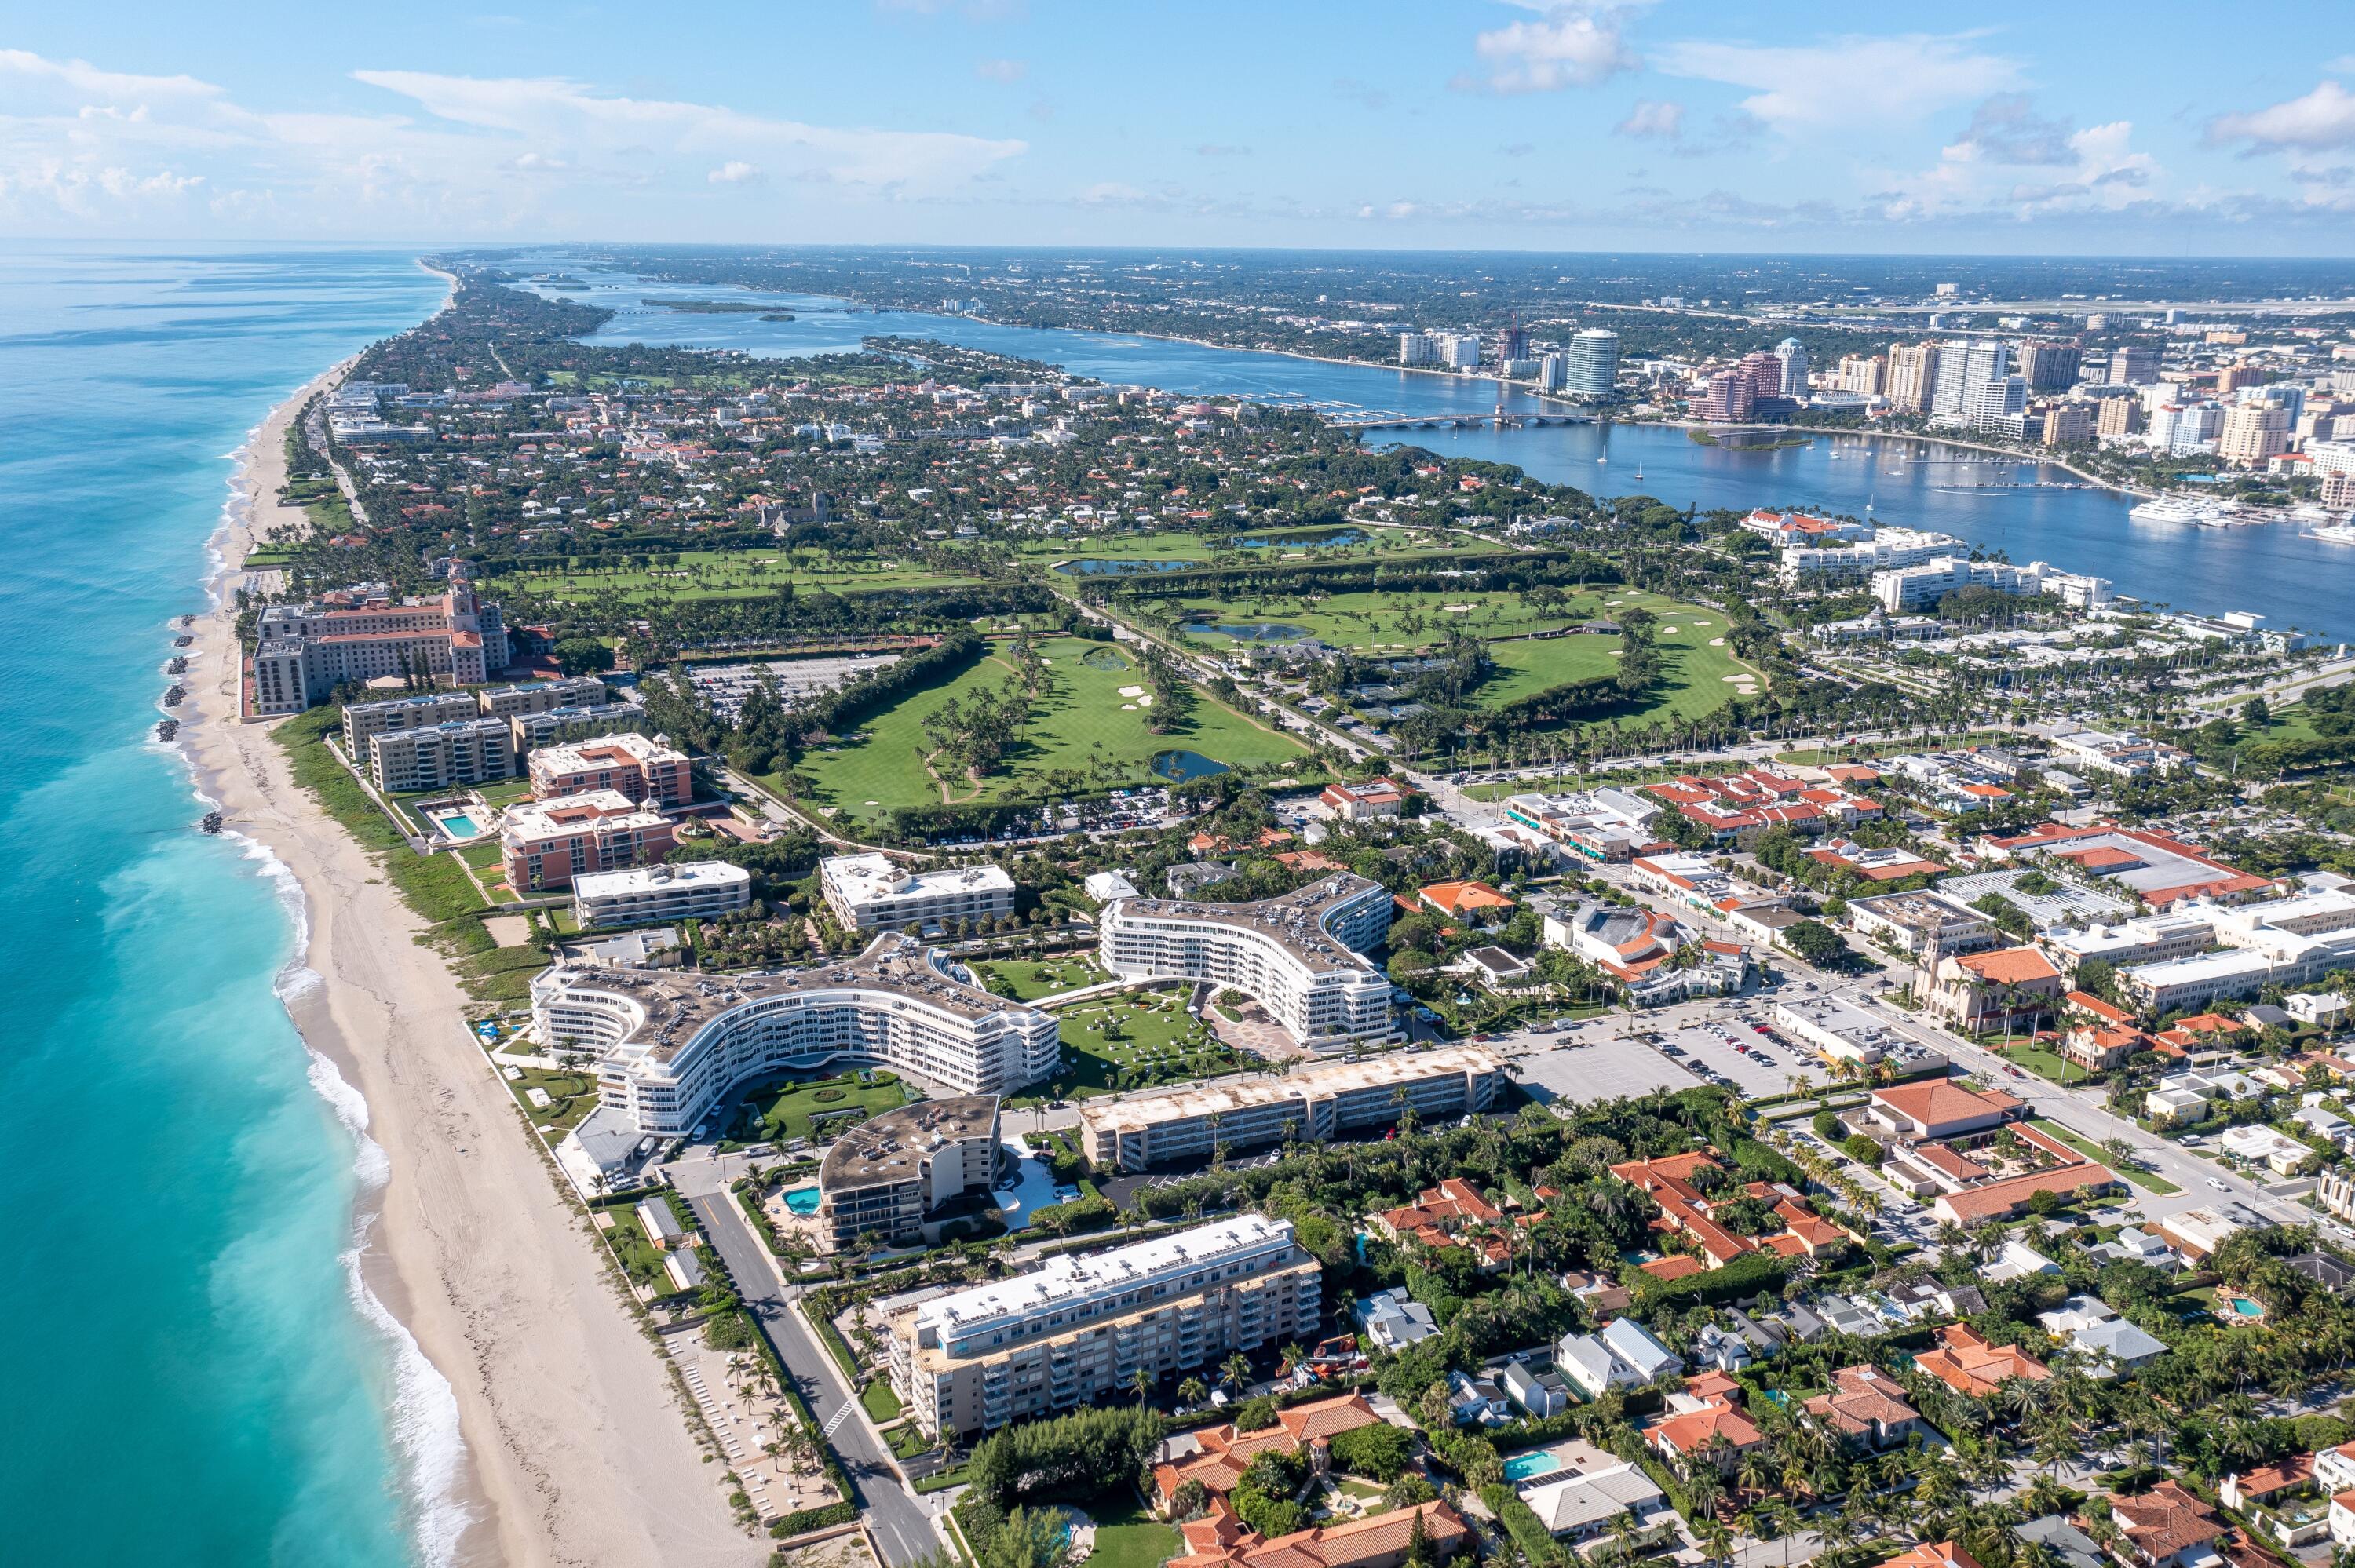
x=1450, y=1215
x=1967, y=1363
x=1686, y=1210
x=1868, y=1407
x=1225, y=1454
x=1358, y=802
x=1944, y=1554
x=1941, y=1109
x=1376, y=1540
x=1469, y=899
x=1711, y=1420
x=2166, y=1527
x=1981, y=991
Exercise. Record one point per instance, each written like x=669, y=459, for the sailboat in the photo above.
x=1603, y=460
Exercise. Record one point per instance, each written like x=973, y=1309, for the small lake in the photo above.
x=1180, y=767
x=1250, y=632
x=1123, y=566
x=1303, y=541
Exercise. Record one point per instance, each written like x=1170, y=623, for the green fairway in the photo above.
x=721, y=574
x=1258, y=546
x=1083, y=725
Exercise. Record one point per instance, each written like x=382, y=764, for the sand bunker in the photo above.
x=1132, y=690
x=1128, y=707
x=1145, y=701
x=1717, y=642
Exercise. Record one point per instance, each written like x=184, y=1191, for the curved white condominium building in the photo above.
x=1298, y=956
x=676, y=1046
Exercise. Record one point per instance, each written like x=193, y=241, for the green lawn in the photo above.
x=641, y=1259
x=880, y=1402
x=789, y=1110
x=1027, y=979
x=1157, y=1043
x=1127, y=1537
x=435, y=886
x=571, y=1097
x=1082, y=724
x=2145, y=1180
x=1328, y=543
x=2036, y=1059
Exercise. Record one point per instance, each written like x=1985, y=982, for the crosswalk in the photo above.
x=839, y=1417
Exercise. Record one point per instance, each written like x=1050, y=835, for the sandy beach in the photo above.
x=577, y=1449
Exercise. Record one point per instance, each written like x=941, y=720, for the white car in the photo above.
x=2217, y=1185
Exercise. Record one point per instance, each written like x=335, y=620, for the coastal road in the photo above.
x=902, y=1529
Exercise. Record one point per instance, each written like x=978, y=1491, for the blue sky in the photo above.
x=2155, y=129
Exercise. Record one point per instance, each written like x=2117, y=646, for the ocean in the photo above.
x=2032, y=511
x=196, y=1373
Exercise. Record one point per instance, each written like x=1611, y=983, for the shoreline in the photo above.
x=529, y=1406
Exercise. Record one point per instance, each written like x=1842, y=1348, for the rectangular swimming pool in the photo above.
x=1527, y=1467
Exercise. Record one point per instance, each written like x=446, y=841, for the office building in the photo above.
x=1080, y=1328
x=643, y=895
x=1591, y=363
x=870, y=891
x=673, y=1046
x=1793, y=366
x=544, y=845
x=627, y=764
x=441, y=756
x=1553, y=372
x=1312, y=1104
x=2134, y=364
x=1725, y=398
x=2183, y=428
x=1298, y=956
x=887, y=1179
x=303, y=652
x=1513, y=343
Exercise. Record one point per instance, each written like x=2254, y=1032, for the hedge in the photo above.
x=1745, y=1275
x=803, y=1520
x=1521, y=1522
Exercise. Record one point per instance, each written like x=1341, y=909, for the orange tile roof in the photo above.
x=1691, y=1432
x=2000, y=1200
x=1943, y=1555
x=1675, y=1266
x=1944, y=1101
x=2165, y=1521
x=1862, y=1397
x=1455, y=897
x=2010, y=966
x=2094, y=1004
x=1967, y=1363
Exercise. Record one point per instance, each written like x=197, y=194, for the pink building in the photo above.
x=629, y=764
x=545, y=845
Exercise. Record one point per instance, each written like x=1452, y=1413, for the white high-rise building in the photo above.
x=1593, y=364
x=870, y=891
x=1298, y=956
x=674, y=1046
x=1795, y=366
x=1416, y=349
x=1553, y=372
x=1963, y=367
x=2180, y=428
x=1994, y=400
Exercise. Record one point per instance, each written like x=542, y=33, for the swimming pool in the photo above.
x=2246, y=1307
x=801, y=1199
x=458, y=825
x=1523, y=1467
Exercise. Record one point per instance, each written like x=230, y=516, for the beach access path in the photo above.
x=577, y=1443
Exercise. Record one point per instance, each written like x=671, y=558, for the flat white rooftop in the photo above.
x=1308, y=1083
x=1069, y=1279
x=864, y=878
x=650, y=878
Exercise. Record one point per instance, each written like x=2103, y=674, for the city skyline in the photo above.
x=1486, y=126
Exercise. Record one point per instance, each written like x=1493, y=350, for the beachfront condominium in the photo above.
x=362, y=722
x=558, y=726
x=870, y=892
x=542, y=696
x=888, y=1179
x=1313, y=1104
x=1298, y=956
x=303, y=652
x=1916, y=588
x=441, y=755
x=673, y=1046
x=1080, y=1328
x=545, y=845
x=629, y=764
x=644, y=895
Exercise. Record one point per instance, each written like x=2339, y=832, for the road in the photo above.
x=900, y=1524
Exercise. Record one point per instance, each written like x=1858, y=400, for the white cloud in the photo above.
x=80, y=145
x=1847, y=83
x=2320, y=120
x=1574, y=45
x=1008, y=71
x=1982, y=174
x=1653, y=120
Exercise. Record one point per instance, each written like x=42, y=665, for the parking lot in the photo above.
x=1590, y=1066
x=1765, y=1069
x=1603, y=1060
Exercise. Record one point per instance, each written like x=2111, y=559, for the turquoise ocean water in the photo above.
x=193, y=1373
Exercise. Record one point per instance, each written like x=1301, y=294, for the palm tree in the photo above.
x=1236, y=1371
x=1141, y=1380
x=1192, y=1392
